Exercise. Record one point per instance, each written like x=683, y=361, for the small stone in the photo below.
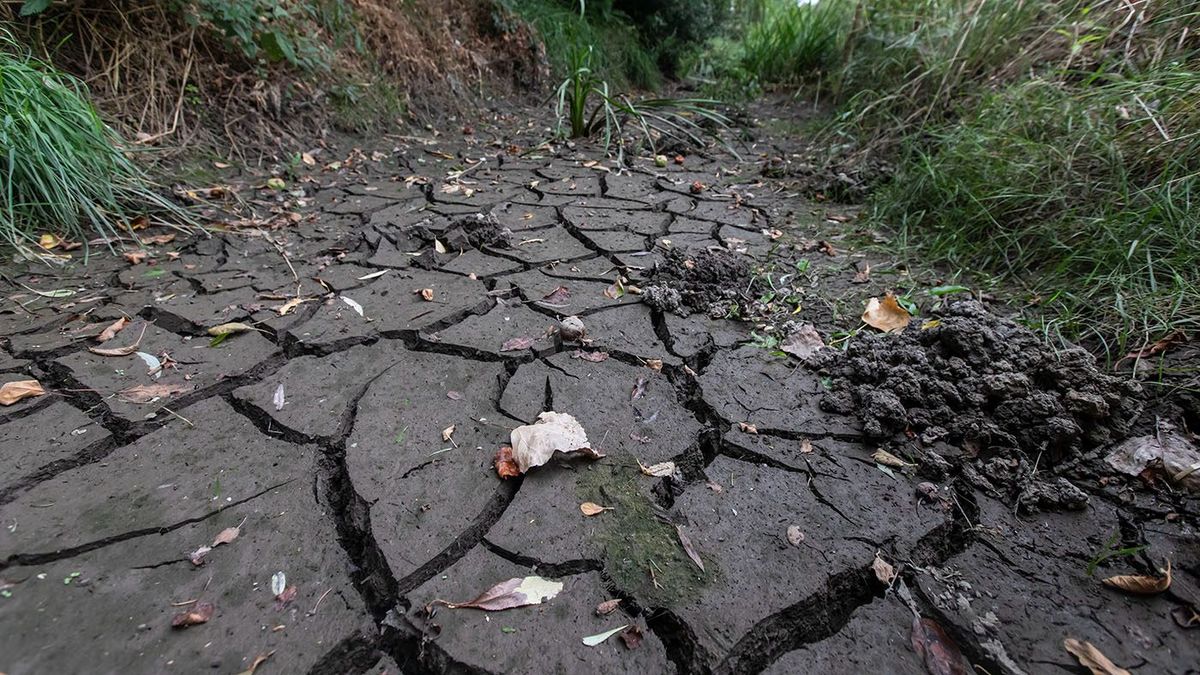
x=572, y=329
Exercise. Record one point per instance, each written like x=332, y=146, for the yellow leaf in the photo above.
x=1140, y=585
x=886, y=315
x=49, y=241
x=888, y=459
x=1091, y=658
x=11, y=392
x=447, y=432
x=228, y=329
x=931, y=323
x=592, y=509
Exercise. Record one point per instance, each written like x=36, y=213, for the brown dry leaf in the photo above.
x=658, y=470
x=886, y=315
x=229, y=329
x=135, y=257
x=506, y=466
x=148, y=393
x=427, y=294
x=448, y=433
x=198, y=613
x=11, y=392
x=803, y=342
x=285, y=596
x=937, y=649
x=593, y=509
x=159, y=239
x=258, y=661
x=688, y=548
x=863, y=275
x=747, y=427
x=607, y=607
x=120, y=351
x=632, y=637
x=510, y=594
x=594, y=357
x=226, y=536
x=654, y=364
x=888, y=459
x=697, y=187
x=1177, y=337
x=883, y=570
x=559, y=296
x=290, y=306
x=517, y=344
x=1091, y=658
x=795, y=536
x=112, y=330
x=1139, y=584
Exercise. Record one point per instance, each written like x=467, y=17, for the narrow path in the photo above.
x=411, y=297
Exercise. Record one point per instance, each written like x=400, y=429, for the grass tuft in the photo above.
x=62, y=170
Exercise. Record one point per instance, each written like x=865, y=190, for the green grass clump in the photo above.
x=62, y=170
x=793, y=42
x=618, y=57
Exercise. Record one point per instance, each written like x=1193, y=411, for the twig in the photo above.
x=314, y=609
x=189, y=422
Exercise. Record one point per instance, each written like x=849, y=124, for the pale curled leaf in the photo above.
x=554, y=432
x=229, y=329
x=607, y=607
x=258, y=661
x=278, y=583
x=886, y=315
x=278, y=399
x=658, y=470
x=372, y=275
x=120, y=351
x=448, y=433
x=11, y=392
x=803, y=342
x=509, y=594
x=884, y=571
x=352, y=304
x=149, y=393
x=599, y=638
x=226, y=536
x=593, y=509
x=1092, y=658
x=888, y=459
x=1140, y=584
x=111, y=331
x=517, y=344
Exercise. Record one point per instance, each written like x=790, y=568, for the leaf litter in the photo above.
x=532, y=445
x=518, y=592
x=12, y=392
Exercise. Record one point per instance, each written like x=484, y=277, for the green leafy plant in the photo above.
x=62, y=170
x=1110, y=552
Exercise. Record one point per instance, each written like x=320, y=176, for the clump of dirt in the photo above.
x=711, y=282
x=983, y=388
x=476, y=231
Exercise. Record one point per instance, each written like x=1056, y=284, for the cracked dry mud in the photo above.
x=350, y=490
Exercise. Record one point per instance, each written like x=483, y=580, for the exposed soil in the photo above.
x=322, y=435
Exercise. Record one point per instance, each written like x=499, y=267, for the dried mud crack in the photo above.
x=350, y=439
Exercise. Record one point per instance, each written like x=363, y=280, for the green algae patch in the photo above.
x=642, y=552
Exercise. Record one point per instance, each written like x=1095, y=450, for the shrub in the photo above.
x=61, y=169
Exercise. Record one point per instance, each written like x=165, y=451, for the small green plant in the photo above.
x=1109, y=552
x=62, y=170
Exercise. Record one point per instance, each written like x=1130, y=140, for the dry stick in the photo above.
x=187, y=69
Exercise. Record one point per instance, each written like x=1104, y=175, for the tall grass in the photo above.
x=794, y=41
x=62, y=170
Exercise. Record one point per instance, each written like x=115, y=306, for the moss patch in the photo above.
x=642, y=554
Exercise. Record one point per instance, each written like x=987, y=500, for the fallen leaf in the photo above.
x=593, y=509
x=863, y=275
x=632, y=636
x=510, y=594
x=49, y=241
x=747, y=427
x=198, y=613
x=439, y=246
x=454, y=396
x=276, y=183
x=615, y=291
x=1177, y=337
x=427, y=294
x=112, y=330
x=447, y=433
x=135, y=257
x=54, y=293
x=352, y=304
x=639, y=388
x=229, y=329
x=1185, y=616
x=120, y=351
x=803, y=342
x=258, y=661
x=373, y=275
x=534, y=444
x=883, y=570
x=888, y=459
x=559, y=296
x=654, y=364
x=688, y=548
x=886, y=315
x=159, y=239
x=152, y=362
x=1166, y=450
x=1092, y=658
x=1139, y=584
x=285, y=596
x=806, y=447
x=517, y=344
x=594, y=357
x=937, y=649
x=599, y=638
x=226, y=536
x=148, y=393
x=715, y=487
x=197, y=556
x=658, y=470
x=607, y=607
x=794, y=536
x=506, y=466
x=11, y=392
x=290, y=306
x=308, y=159
x=278, y=399
x=278, y=583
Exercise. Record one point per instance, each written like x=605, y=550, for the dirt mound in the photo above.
x=711, y=282
x=982, y=387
